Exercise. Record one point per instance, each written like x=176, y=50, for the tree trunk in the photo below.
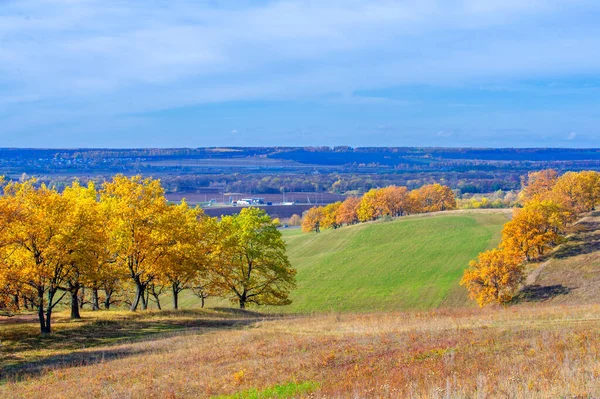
x=42, y=319
x=175, y=296
x=75, y=303
x=202, y=299
x=107, y=299
x=157, y=301
x=16, y=301
x=95, y=301
x=242, y=300
x=43, y=328
x=82, y=300
x=139, y=293
x=48, y=318
x=145, y=298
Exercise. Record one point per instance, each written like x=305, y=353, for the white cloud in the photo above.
x=64, y=60
x=571, y=136
x=444, y=133
x=234, y=131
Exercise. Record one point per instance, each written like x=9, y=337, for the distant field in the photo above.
x=409, y=263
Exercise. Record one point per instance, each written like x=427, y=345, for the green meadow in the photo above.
x=414, y=262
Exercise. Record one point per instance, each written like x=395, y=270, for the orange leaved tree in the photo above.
x=494, y=277
x=537, y=185
x=312, y=220
x=535, y=229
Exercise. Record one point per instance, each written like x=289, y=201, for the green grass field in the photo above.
x=408, y=263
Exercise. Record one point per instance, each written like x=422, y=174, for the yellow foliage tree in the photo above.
x=537, y=185
x=432, y=198
x=577, y=191
x=295, y=220
x=393, y=201
x=89, y=240
x=189, y=246
x=137, y=229
x=312, y=220
x=493, y=277
x=369, y=208
x=41, y=244
x=535, y=228
x=330, y=215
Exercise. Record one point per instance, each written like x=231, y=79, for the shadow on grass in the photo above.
x=585, y=239
x=27, y=353
x=538, y=293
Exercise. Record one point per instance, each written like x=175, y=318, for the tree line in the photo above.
x=125, y=242
x=390, y=201
x=549, y=205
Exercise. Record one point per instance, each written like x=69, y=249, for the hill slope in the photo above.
x=410, y=263
x=572, y=272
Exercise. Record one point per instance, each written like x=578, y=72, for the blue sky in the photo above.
x=170, y=73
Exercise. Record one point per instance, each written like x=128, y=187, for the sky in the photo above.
x=174, y=73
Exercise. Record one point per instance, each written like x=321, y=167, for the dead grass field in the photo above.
x=517, y=352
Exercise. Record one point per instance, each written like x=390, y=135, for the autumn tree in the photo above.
x=432, y=198
x=86, y=239
x=330, y=215
x=250, y=263
x=579, y=192
x=312, y=220
x=137, y=230
x=535, y=229
x=369, y=208
x=494, y=277
x=37, y=246
x=295, y=220
x=537, y=185
x=392, y=200
x=347, y=213
x=187, y=254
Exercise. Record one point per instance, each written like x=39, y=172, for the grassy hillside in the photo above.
x=408, y=263
x=523, y=352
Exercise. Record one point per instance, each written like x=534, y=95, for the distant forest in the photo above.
x=273, y=170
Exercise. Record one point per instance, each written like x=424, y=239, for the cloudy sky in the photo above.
x=171, y=73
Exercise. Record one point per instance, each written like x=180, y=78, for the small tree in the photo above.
x=250, y=263
x=313, y=218
x=295, y=220
x=493, y=277
x=348, y=212
x=330, y=215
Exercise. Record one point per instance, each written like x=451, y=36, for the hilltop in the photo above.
x=412, y=262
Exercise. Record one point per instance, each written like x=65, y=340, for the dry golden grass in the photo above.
x=518, y=352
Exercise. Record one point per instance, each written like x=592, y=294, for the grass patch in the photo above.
x=408, y=263
x=26, y=352
x=278, y=391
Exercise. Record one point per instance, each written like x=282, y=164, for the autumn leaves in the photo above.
x=126, y=237
x=376, y=203
x=549, y=205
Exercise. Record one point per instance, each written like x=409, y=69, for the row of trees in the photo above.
x=389, y=201
x=126, y=240
x=550, y=204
